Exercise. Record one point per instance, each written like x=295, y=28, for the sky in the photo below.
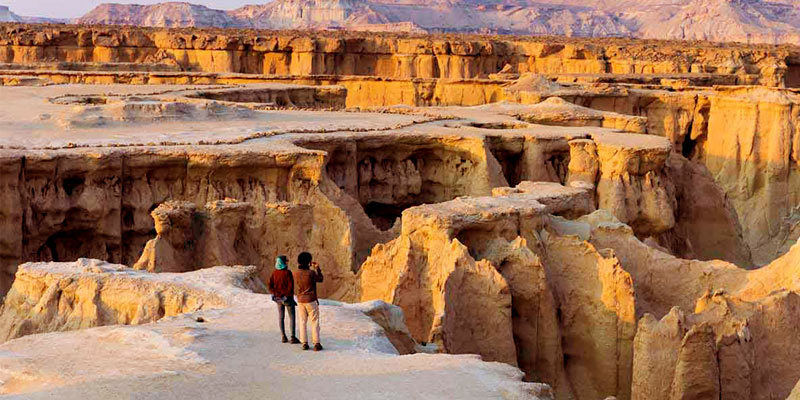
x=76, y=8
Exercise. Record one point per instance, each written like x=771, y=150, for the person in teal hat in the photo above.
x=281, y=285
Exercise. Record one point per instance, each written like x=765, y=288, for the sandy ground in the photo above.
x=236, y=354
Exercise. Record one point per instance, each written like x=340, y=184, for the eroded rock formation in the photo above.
x=52, y=297
x=387, y=56
x=601, y=231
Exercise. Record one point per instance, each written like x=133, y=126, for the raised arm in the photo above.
x=317, y=272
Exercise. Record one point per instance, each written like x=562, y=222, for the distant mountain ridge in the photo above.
x=7, y=16
x=763, y=21
x=437, y=16
x=169, y=15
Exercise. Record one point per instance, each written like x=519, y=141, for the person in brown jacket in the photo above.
x=307, y=276
x=281, y=285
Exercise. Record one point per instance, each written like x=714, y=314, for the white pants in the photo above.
x=309, y=311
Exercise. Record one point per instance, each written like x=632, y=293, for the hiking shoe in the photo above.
x=295, y=340
x=305, y=346
x=284, y=339
x=317, y=347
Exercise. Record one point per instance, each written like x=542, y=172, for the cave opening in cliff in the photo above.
x=510, y=164
x=508, y=151
x=792, y=79
x=383, y=216
x=688, y=147
x=69, y=245
x=73, y=184
x=558, y=166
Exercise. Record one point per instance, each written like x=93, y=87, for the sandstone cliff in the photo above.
x=585, y=233
x=389, y=56
x=578, y=289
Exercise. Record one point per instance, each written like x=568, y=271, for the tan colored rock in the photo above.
x=559, y=112
x=219, y=310
x=707, y=225
x=452, y=316
x=728, y=348
x=51, y=297
x=536, y=332
x=632, y=184
x=336, y=53
x=542, y=275
x=188, y=240
x=392, y=320
x=749, y=150
x=175, y=247
x=712, y=351
x=594, y=294
x=583, y=163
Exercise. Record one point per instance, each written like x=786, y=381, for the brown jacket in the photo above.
x=306, y=280
x=281, y=283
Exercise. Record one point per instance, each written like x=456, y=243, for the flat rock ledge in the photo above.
x=208, y=334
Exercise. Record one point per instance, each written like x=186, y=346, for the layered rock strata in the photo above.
x=347, y=188
x=390, y=56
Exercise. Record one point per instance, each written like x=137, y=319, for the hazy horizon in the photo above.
x=76, y=8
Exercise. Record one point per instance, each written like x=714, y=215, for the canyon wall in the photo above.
x=582, y=300
x=68, y=204
x=744, y=138
x=388, y=56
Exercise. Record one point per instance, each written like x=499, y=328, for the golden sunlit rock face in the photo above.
x=602, y=218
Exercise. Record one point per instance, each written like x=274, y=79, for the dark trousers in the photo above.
x=281, y=316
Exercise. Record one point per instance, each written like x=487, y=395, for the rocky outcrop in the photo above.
x=97, y=203
x=751, y=149
x=727, y=348
x=187, y=239
x=748, y=173
x=560, y=274
x=557, y=111
x=712, y=352
x=393, y=322
x=456, y=316
x=707, y=225
x=50, y=297
x=533, y=286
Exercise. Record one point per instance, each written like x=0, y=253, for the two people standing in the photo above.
x=282, y=284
